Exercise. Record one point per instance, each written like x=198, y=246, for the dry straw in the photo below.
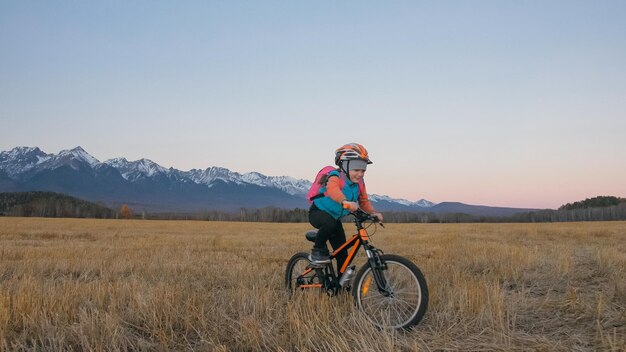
x=113, y=285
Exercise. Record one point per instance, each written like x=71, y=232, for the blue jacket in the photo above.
x=350, y=190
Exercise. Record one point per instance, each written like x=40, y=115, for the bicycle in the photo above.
x=400, y=296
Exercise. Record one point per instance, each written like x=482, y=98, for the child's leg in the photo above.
x=327, y=226
x=337, y=239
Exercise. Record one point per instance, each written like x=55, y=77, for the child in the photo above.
x=326, y=211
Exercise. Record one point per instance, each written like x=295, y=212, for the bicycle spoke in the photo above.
x=402, y=313
x=400, y=308
x=392, y=304
x=401, y=303
x=376, y=305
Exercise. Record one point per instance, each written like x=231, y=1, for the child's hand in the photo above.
x=379, y=216
x=352, y=206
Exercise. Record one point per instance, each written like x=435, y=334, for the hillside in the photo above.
x=50, y=204
x=595, y=202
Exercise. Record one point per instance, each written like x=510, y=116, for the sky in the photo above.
x=501, y=103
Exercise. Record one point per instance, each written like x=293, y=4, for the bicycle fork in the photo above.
x=378, y=270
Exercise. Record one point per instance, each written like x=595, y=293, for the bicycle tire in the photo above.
x=295, y=267
x=409, y=301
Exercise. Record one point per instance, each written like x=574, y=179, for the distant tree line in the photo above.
x=602, y=208
x=596, y=202
x=607, y=213
x=267, y=214
x=429, y=217
x=272, y=214
x=50, y=204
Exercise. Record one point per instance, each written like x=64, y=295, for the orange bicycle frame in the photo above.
x=355, y=242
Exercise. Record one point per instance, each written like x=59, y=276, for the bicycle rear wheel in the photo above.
x=298, y=274
x=405, y=303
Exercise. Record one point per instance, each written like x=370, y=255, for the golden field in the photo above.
x=107, y=285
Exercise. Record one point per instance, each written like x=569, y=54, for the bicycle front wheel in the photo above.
x=404, y=300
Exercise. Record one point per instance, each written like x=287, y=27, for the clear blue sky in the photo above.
x=512, y=103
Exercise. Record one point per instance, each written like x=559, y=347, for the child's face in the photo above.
x=356, y=175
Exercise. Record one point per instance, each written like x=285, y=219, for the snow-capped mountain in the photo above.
x=146, y=185
x=143, y=181
x=420, y=203
x=287, y=184
x=22, y=161
x=77, y=153
x=210, y=175
x=135, y=170
x=424, y=203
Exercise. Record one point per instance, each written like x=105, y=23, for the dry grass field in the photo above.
x=96, y=285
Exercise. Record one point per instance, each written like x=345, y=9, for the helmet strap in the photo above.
x=345, y=171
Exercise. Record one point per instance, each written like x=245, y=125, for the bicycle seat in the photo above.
x=311, y=235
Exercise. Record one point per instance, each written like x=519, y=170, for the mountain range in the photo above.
x=147, y=186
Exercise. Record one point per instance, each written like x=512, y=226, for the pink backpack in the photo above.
x=320, y=181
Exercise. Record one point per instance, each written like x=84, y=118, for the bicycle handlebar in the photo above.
x=362, y=215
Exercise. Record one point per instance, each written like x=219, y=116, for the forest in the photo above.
x=50, y=204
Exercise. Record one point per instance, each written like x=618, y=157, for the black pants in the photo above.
x=330, y=230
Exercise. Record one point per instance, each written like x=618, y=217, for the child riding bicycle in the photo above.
x=344, y=192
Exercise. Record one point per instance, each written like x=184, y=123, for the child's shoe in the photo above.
x=319, y=256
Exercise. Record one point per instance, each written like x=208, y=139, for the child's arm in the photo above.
x=333, y=189
x=364, y=202
x=366, y=205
